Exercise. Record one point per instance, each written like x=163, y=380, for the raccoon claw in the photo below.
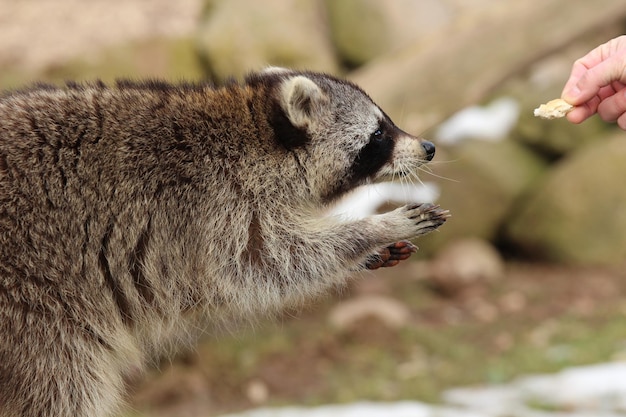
x=427, y=217
x=391, y=255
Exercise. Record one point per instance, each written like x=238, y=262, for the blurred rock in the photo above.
x=577, y=214
x=40, y=34
x=481, y=309
x=238, y=36
x=463, y=263
x=513, y=302
x=387, y=310
x=168, y=59
x=257, y=392
x=480, y=183
x=365, y=29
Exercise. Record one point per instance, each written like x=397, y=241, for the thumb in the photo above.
x=592, y=80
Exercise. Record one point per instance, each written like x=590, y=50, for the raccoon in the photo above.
x=132, y=215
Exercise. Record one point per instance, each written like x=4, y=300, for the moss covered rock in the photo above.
x=578, y=214
x=363, y=30
x=238, y=36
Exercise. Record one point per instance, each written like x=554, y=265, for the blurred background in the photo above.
x=527, y=276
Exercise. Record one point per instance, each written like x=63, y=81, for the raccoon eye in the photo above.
x=377, y=135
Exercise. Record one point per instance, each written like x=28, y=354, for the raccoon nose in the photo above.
x=429, y=148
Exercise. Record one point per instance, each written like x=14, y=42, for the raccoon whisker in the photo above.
x=400, y=173
x=447, y=161
x=411, y=177
x=407, y=173
x=429, y=171
x=418, y=179
x=405, y=182
x=423, y=167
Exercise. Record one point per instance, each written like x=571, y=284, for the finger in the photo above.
x=596, y=78
x=593, y=58
x=606, y=92
x=375, y=263
x=403, y=246
x=400, y=251
x=612, y=107
x=578, y=115
x=400, y=256
x=618, y=85
x=621, y=121
x=390, y=263
x=581, y=113
x=571, y=91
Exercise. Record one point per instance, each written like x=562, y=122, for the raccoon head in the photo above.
x=339, y=135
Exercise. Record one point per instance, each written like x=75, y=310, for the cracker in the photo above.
x=553, y=109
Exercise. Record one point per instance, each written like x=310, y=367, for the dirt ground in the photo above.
x=538, y=318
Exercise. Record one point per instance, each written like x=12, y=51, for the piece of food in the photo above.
x=553, y=109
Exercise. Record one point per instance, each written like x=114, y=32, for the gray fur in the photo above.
x=132, y=215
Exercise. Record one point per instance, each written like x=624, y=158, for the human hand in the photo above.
x=597, y=84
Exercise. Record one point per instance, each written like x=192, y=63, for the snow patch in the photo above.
x=492, y=122
x=363, y=409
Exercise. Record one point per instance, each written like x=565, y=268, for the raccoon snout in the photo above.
x=429, y=149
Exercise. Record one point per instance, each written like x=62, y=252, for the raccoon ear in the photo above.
x=302, y=100
x=275, y=70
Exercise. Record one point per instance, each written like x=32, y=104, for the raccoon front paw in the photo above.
x=425, y=217
x=391, y=255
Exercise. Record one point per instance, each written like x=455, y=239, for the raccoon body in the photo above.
x=133, y=214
